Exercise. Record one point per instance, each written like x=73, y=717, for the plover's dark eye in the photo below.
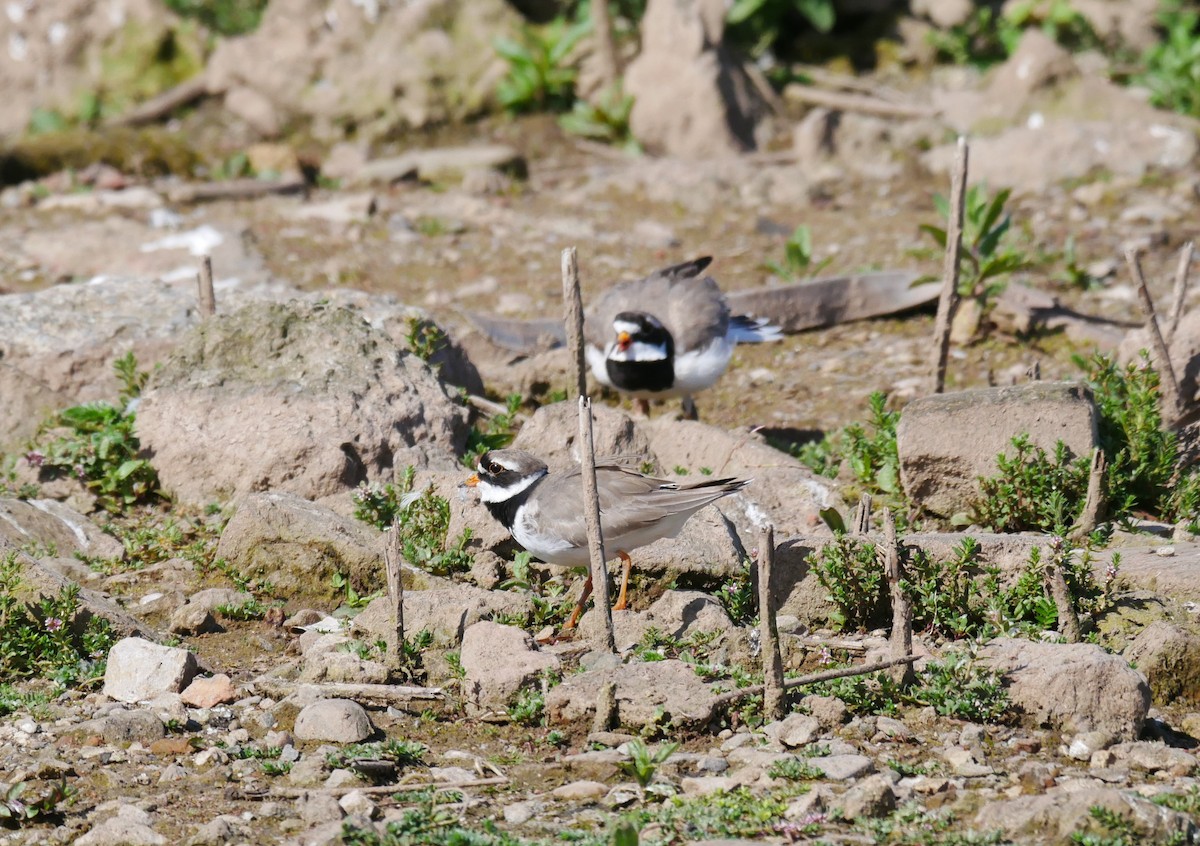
x=492, y=468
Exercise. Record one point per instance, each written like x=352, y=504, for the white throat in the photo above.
x=638, y=351
x=494, y=493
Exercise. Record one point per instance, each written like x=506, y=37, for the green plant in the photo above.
x=987, y=257
x=496, y=433
x=732, y=814
x=276, y=768
x=251, y=609
x=797, y=256
x=876, y=693
x=423, y=520
x=226, y=17
x=353, y=598
x=16, y=811
x=1142, y=455
x=528, y=707
x=761, y=24
x=946, y=599
x=868, y=449
x=604, y=118
x=736, y=594
x=643, y=762
x=424, y=337
x=848, y=567
x=13, y=700
x=957, y=686
x=1031, y=491
x=399, y=753
x=539, y=76
x=1172, y=65
x=96, y=444
x=794, y=769
x=988, y=36
x=49, y=638
x=1074, y=274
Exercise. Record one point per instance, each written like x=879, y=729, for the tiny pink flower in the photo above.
x=53, y=624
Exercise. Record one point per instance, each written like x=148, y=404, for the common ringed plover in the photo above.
x=667, y=335
x=544, y=512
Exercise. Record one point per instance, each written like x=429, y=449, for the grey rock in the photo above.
x=646, y=694
x=794, y=730
x=444, y=612
x=213, y=833
x=125, y=727
x=318, y=807
x=1169, y=657
x=843, y=767
x=336, y=720
x=129, y=827
x=336, y=666
x=518, y=813
x=830, y=711
x=49, y=523
x=333, y=76
x=293, y=397
x=299, y=545
x=444, y=164
x=1071, y=687
x=1153, y=757
x=1059, y=814
x=871, y=797
x=947, y=441
x=680, y=613
x=138, y=669
x=692, y=98
x=500, y=660
x=191, y=619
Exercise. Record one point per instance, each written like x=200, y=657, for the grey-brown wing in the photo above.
x=631, y=501
x=689, y=305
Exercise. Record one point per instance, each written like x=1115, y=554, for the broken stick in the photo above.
x=591, y=512
x=393, y=561
x=573, y=317
x=768, y=628
x=207, y=295
x=948, y=299
x=1068, y=622
x=902, y=615
x=1089, y=518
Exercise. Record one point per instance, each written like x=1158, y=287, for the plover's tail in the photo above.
x=753, y=330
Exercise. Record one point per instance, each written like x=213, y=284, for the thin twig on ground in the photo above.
x=815, y=678
x=1180, y=291
x=367, y=695
x=948, y=299
x=1168, y=383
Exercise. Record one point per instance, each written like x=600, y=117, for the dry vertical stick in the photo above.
x=208, y=297
x=1094, y=503
x=902, y=615
x=862, y=516
x=1180, y=293
x=392, y=560
x=606, y=708
x=768, y=628
x=591, y=512
x=573, y=316
x=948, y=299
x=1168, y=384
x=1068, y=623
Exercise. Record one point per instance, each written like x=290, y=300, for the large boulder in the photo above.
x=299, y=545
x=1169, y=656
x=377, y=67
x=1063, y=815
x=54, y=527
x=59, y=51
x=446, y=612
x=692, y=97
x=647, y=695
x=1071, y=687
x=948, y=441
x=292, y=397
x=499, y=661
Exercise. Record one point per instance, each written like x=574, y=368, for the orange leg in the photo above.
x=643, y=406
x=583, y=598
x=623, y=597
